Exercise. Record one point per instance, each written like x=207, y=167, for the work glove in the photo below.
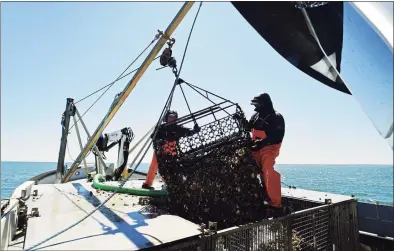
x=258, y=144
x=196, y=128
x=237, y=116
x=240, y=118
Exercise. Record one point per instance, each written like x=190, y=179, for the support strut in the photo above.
x=70, y=111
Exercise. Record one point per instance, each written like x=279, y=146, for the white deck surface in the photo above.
x=121, y=224
x=313, y=195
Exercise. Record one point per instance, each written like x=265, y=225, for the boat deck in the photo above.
x=315, y=196
x=122, y=223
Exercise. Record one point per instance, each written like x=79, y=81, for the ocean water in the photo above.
x=367, y=182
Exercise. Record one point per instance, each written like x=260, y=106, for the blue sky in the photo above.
x=51, y=51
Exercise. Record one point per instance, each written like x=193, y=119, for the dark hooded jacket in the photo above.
x=268, y=120
x=174, y=132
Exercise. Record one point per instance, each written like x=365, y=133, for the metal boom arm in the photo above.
x=129, y=87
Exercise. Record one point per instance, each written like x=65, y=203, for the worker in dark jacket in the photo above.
x=268, y=129
x=170, y=133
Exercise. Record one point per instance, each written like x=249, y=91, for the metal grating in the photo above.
x=267, y=235
x=326, y=227
x=311, y=230
x=295, y=205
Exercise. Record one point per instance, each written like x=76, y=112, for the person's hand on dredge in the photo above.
x=258, y=144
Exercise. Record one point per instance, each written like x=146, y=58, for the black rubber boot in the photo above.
x=145, y=186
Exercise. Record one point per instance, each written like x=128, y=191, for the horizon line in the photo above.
x=343, y=164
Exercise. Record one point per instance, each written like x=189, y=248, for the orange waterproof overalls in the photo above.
x=170, y=148
x=265, y=158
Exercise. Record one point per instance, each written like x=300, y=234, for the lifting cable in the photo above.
x=177, y=81
x=199, y=89
x=136, y=167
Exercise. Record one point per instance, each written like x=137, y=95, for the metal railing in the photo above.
x=324, y=227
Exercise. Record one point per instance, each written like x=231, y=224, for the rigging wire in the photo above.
x=142, y=148
x=121, y=76
x=69, y=154
x=91, y=94
x=121, y=73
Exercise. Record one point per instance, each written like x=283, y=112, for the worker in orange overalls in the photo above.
x=171, y=133
x=268, y=129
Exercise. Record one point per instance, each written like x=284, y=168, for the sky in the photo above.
x=54, y=50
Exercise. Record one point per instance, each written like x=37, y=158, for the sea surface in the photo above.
x=369, y=183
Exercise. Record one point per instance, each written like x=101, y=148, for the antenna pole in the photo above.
x=129, y=87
